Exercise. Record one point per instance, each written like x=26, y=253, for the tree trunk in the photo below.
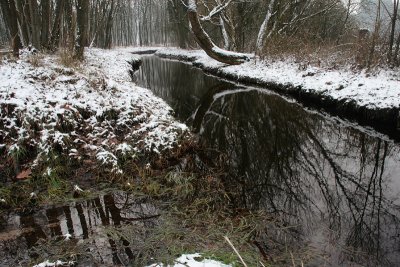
x=45, y=27
x=35, y=23
x=264, y=27
x=206, y=43
x=396, y=51
x=5, y=10
x=10, y=18
x=109, y=24
x=56, y=30
x=392, y=30
x=70, y=25
x=22, y=22
x=82, y=11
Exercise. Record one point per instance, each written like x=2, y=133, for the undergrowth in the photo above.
x=67, y=59
x=352, y=52
x=196, y=211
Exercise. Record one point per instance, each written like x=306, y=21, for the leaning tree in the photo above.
x=204, y=40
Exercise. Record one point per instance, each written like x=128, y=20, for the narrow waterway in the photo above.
x=337, y=184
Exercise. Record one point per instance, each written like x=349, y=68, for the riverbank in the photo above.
x=369, y=98
x=96, y=170
x=88, y=111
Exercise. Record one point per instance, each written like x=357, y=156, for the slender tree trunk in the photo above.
x=5, y=10
x=45, y=27
x=9, y=12
x=70, y=27
x=375, y=35
x=19, y=4
x=109, y=24
x=82, y=9
x=264, y=27
x=392, y=30
x=56, y=30
x=396, y=51
x=35, y=23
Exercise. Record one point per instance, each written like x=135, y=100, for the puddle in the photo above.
x=81, y=222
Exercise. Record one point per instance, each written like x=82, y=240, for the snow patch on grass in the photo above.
x=192, y=260
x=84, y=112
x=56, y=263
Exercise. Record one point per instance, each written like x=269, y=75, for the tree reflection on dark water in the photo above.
x=338, y=184
x=22, y=236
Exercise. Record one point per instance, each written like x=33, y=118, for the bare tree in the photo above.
x=205, y=42
x=82, y=10
x=35, y=23
x=10, y=19
x=393, y=23
x=45, y=26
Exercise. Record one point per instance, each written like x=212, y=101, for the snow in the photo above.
x=77, y=188
x=67, y=237
x=245, y=57
x=378, y=90
x=189, y=260
x=47, y=263
x=192, y=7
x=87, y=110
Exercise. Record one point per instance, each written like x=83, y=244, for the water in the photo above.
x=336, y=183
x=24, y=237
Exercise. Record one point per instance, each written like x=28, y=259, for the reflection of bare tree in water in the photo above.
x=305, y=167
x=86, y=220
x=173, y=81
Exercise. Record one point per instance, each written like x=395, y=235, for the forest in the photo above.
x=213, y=133
x=365, y=28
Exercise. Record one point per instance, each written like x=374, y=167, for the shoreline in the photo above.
x=383, y=117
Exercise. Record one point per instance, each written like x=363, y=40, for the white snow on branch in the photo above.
x=192, y=6
x=264, y=26
x=216, y=10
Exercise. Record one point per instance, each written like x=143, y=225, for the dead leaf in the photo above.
x=24, y=174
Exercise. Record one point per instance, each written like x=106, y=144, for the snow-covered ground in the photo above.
x=91, y=110
x=186, y=260
x=191, y=260
x=377, y=90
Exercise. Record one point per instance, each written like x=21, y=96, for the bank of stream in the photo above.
x=360, y=100
x=287, y=185
x=333, y=183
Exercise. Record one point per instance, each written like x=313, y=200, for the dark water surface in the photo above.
x=26, y=237
x=338, y=185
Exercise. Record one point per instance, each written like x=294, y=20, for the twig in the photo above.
x=294, y=264
x=234, y=249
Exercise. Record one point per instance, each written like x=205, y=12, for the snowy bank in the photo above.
x=371, y=99
x=88, y=111
x=192, y=260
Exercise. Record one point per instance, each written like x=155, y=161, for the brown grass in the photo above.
x=36, y=60
x=67, y=59
x=351, y=52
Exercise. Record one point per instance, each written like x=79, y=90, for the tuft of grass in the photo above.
x=67, y=59
x=36, y=60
